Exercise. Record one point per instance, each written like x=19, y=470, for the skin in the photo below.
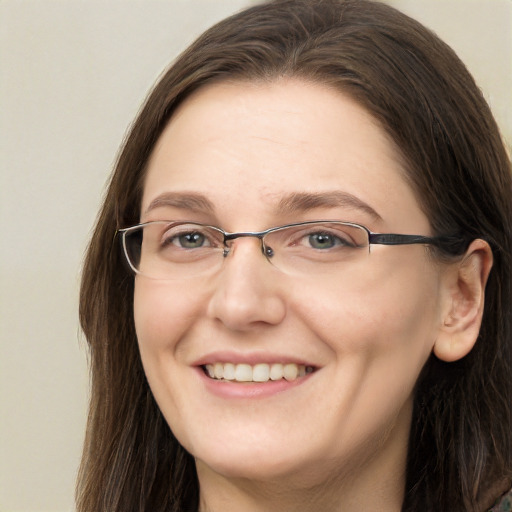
x=338, y=440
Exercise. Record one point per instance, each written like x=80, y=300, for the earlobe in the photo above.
x=465, y=283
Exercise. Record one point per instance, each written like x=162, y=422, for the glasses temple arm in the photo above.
x=451, y=244
x=396, y=239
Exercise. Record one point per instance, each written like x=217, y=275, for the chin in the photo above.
x=255, y=462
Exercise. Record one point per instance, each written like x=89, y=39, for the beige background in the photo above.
x=72, y=77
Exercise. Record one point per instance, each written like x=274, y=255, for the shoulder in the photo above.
x=503, y=504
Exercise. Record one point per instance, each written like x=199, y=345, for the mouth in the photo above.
x=261, y=372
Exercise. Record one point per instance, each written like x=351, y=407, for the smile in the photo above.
x=261, y=372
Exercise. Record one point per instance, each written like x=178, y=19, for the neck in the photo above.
x=236, y=495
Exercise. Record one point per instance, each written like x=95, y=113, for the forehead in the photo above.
x=246, y=147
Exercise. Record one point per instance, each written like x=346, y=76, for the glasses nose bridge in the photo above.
x=231, y=237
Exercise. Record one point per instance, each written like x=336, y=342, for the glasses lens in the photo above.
x=164, y=250
x=315, y=247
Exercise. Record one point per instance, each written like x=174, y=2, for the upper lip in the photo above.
x=250, y=358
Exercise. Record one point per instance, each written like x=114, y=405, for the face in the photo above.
x=246, y=157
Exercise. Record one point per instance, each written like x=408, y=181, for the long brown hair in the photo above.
x=423, y=96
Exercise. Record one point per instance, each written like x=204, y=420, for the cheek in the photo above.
x=164, y=315
x=389, y=320
x=163, y=312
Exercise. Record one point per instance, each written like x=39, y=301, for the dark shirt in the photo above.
x=504, y=504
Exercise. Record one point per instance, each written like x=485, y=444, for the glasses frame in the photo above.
x=450, y=244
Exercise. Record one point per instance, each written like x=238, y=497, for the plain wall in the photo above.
x=73, y=75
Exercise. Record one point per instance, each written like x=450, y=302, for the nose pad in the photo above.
x=267, y=250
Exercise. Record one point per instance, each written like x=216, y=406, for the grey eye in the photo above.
x=193, y=240
x=183, y=238
x=327, y=241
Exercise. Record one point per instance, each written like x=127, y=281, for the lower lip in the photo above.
x=233, y=389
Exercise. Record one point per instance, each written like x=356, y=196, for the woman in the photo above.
x=313, y=212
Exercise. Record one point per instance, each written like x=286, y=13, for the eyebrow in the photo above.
x=305, y=201
x=182, y=200
x=292, y=203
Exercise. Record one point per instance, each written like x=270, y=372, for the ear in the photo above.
x=464, y=284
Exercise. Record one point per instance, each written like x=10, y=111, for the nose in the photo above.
x=247, y=294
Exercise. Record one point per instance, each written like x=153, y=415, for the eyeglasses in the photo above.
x=179, y=250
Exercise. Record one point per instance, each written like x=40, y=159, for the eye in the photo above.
x=328, y=240
x=193, y=240
x=186, y=237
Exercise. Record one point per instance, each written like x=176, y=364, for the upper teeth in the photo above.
x=258, y=373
